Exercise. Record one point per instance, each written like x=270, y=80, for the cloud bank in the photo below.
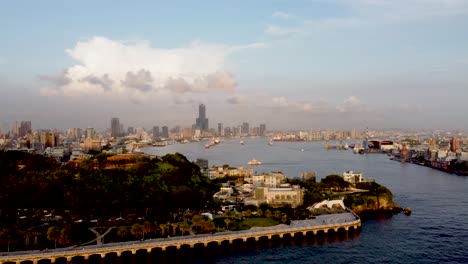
x=136, y=69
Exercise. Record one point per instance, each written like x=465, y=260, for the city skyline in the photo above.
x=304, y=64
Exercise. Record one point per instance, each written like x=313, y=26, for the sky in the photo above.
x=307, y=64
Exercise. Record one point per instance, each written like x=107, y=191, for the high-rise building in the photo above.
x=121, y=130
x=50, y=139
x=5, y=130
x=156, y=132
x=245, y=128
x=227, y=132
x=220, y=129
x=202, y=122
x=130, y=130
x=16, y=129
x=165, y=132
x=89, y=133
x=115, y=127
x=25, y=128
x=262, y=130
x=454, y=144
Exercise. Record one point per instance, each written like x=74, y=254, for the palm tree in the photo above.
x=277, y=214
x=146, y=228
x=284, y=219
x=27, y=235
x=53, y=233
x=227, y=221
x=136, y=230
x=247, y=213
x=174, y=229
x=163, y=229
x=268, y=213
x=7, y=234
x=122, y=231
x=260, y=212
x=184, y=228
x=64, y=236
x=35, y=233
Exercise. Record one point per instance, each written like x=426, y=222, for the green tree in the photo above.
x=136, y=230
x=227, y=221
x=122, y=231
x=277, y=214
x=247, y=213
x=260, y=212
x=146, y=228
x=53, y=233
x=64, y=237
x=268, y=213
x=7, y=234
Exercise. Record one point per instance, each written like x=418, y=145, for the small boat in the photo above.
x=207, y=146
x=270, y=143
x=241, y=142
x=254, y=162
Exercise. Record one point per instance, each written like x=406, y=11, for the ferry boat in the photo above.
x=254, y=162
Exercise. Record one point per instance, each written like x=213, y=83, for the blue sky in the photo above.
x=298, y=64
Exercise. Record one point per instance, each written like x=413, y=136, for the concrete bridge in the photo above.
x=322, y=224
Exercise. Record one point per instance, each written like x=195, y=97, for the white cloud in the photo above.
x=136, y=69
x=282, y=15
x=280, y=101
x=352, y=104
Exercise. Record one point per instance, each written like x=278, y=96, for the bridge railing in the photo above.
x=172, y=241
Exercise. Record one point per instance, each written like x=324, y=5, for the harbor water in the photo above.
x=436, y=231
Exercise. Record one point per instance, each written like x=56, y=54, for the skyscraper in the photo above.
x=115, y=127
x=220, y=129
x=202, y=122
x=25, y=128
x=245, y=128
x=165, y=132
x=454, y=144
x=89, y=133
x=262, y=130
x=155, y=132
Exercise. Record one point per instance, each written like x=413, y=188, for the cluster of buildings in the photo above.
x=270, y=188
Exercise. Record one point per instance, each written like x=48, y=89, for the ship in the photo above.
x=254, y=162
x=270, y=143
x=241, y=142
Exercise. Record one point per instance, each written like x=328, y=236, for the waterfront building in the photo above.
x=115, y=127
x=283, y=195
x=273, y=179
x=220, y=172
x=309, y=176
x=201, y=121
x=353, y=177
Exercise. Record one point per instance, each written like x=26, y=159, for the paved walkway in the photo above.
x=99, y=237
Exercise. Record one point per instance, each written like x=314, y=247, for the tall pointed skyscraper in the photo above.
x=202, y=122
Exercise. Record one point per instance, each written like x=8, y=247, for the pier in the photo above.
x=322, y=224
